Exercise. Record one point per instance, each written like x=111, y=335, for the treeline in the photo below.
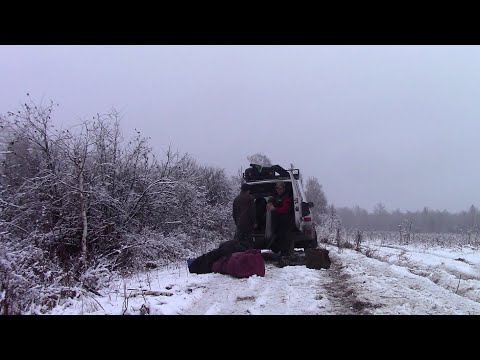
x=77, y=202
x=424, y=221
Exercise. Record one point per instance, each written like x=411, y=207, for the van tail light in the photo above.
x=307, y=218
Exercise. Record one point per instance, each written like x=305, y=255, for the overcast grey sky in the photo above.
x=392, y=124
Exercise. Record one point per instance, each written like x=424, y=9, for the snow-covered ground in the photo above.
x=394, y=279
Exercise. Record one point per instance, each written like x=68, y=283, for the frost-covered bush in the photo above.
x=28, y=279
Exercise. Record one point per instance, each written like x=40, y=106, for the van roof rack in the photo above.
x=258, y=172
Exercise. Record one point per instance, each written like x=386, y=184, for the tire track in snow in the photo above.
x=395, y=289
x=290, y=290
x=463, y=283
x=342, y=290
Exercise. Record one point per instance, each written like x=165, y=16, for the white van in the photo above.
x=261, y=181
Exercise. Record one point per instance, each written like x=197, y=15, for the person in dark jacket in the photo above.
x=280, y=206
x=204, y=263
x=244, y=216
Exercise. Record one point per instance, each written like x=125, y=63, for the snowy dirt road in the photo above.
x=393, y=280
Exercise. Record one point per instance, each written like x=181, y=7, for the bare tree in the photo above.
x=259, y=159
x=358, y=240
x=30, y=169
x=237, y=180
x=314, y=193
x=216, y=185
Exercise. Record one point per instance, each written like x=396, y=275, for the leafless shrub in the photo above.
x=84, y=202
x=369, y=252
x=338, y=239
x=358, y=240
x=30, y=281
x=348, y=245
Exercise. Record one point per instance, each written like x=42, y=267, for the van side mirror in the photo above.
x=305, y=209
x=310, y=204
x=296, y=174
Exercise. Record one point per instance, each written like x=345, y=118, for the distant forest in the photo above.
x=424, y=221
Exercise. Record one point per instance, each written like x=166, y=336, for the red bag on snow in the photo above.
x=241, y=264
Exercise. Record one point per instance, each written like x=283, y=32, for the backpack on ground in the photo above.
x=241, y=264
x=317, y=259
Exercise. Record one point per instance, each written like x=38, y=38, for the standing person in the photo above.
x=244, y=216
x=280, y=208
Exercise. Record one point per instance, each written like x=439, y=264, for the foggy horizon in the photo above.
x=390, y=124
